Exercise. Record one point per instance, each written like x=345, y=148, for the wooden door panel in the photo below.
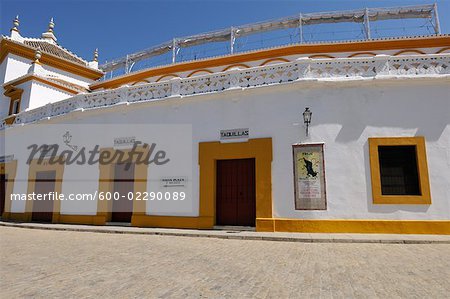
x=3, y=180
x=44, y=184
x=246, y=212
x=227, y=201
x=122, y=209
x=235, y=192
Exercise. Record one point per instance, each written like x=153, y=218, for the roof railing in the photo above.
x=364, y=16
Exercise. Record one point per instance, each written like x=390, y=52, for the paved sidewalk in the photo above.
x=244, y=235
x=38, y=263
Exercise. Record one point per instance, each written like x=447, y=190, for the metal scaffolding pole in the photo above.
x=126, y=64
x=437, y=26
x=367, y=23
x=232, y=39
x=130, y=66
x=174, y=50
x=300, y=28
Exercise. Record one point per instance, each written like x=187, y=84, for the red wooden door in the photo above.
x=44, y=184
x=122, y=209
x=235, y=192
x=3, y=180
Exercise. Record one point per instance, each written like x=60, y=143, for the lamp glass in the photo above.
x=307, y=116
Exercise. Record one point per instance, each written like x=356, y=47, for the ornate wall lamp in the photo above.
x=307, y=119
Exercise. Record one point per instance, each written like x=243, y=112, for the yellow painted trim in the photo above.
x=81, y=219
x=419, y=143
x=9, y=169
x=321, y=56
x=34, y=168
x=45, y=81
x=106, y=184
x=443, y=50
x=363, y=226
x=168, y=75
x=23, y=217
x=199, y=71
x=10, y=119
x=273, y=60
x=14, y=93
x=7, y=46
x=172, y=221
x=140, y=81
x=235, y=65
x=210, y=152
x=239, y=58
x=362, y=53
x=409, y=52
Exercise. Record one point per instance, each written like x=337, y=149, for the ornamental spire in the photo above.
x=51, y=25
x=15, y=35
x=96, y=54
x=94, y=62
x=37, y=56
x=49, y=35
x=16, y=24
x=36, y=67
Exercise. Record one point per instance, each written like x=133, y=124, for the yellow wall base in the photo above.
x=371, y=226
x=25, y=217
x=172, y=221
x=82, y=219
x=59, y=218
x=363, y=226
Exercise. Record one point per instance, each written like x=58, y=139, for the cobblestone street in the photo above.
x=48, y=264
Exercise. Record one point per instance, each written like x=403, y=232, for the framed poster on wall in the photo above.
x=309, y=177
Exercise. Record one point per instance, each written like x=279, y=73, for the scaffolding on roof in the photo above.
x=364, y=16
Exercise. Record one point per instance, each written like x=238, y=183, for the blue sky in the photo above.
x=121, y=27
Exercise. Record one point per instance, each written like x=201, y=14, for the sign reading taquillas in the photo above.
x=234, y=134
x=309, y=177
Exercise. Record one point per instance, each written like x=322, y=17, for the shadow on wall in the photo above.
x=422, y=109
x=389, y=107
x=380, y=208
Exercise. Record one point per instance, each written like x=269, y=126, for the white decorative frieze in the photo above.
x=301, y=69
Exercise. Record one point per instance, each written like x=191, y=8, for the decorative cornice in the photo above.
x=13, y=92
x=8, y=46
x=46, y=81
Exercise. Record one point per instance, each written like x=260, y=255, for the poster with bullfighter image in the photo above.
x=309, y=177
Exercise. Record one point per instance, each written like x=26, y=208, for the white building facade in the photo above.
x=373, y=158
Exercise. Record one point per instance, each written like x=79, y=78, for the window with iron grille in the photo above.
x=398, y=170
x=15, y=107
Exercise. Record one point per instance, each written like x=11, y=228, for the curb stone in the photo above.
x=220, y=234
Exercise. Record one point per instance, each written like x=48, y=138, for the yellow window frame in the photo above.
x=421, y=156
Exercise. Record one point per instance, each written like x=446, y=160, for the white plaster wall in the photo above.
x=16, y=67
x=26, y=95
x=4, y=101
x=12, y=67
x=42, y=94
x=7, y=148
x=3, y=69
x=76, y=79
x=345, y=115
x=84, y=179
